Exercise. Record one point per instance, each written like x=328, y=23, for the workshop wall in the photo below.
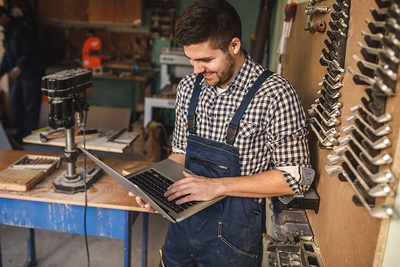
x=127, y=11
x=346, y=233
x=65, y=25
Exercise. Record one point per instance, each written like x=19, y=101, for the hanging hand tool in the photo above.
x=313, y=10
x=290, y=13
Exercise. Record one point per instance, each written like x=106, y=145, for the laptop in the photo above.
x=150, y=183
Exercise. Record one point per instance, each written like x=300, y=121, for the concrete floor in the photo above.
x=64, y=249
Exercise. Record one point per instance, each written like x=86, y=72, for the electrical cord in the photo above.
x=84, y=182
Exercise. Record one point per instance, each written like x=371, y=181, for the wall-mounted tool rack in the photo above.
x=358, y=166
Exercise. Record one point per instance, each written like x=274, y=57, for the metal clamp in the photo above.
x=326, y=141
x=381, y=131
x=381, y=159
x=382, y=143
x=383, y=211
x=378, y=119
x=379, y=190
x=384, y=176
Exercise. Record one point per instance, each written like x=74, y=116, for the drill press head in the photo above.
x=66, y=91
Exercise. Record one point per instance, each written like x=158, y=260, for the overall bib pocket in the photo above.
x=211, y=159
x=211, y=164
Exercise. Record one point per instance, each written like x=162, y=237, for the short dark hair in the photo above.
x=209, y=20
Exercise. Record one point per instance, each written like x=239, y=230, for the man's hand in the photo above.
x=15, y=72
x=194, y=188
x=141, y=203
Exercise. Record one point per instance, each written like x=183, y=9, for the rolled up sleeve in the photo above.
x=289, y=143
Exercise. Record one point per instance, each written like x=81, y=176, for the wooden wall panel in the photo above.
x=346, y=234
x=63, y=10
x=128, y=10
x=123, y=11
x=101, y=10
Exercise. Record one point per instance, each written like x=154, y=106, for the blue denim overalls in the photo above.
x=228, y=233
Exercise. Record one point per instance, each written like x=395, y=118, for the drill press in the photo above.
x=66, y=91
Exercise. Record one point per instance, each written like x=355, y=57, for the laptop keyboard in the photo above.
x=155, y=185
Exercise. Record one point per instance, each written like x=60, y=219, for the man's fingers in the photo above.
x=148, y=207
x=180, y=184
x=188, y=198
x=144, y=204
x=187, y=174
x=179, y=193
x=140, y=202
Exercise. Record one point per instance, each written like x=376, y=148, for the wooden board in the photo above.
x=346, y=234
x=105, y=193
x=63, y=9
x=128, y=11
x=97, y=141
x=27, y=171
x=19, y=180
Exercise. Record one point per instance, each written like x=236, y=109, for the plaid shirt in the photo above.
x=272, y=132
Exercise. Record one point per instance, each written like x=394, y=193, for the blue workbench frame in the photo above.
x=104, y=222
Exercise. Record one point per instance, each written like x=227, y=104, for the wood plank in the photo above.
x=125, y=11
x=105, y=193
x=97, y=141
x=63, y=9
x=27, y=171
x=115, y=11
x=19, y=180
x=101, y=10
x=128, y=11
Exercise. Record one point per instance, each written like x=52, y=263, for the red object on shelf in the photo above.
x=91, y=46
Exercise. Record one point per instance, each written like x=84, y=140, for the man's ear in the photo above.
x=234, y=46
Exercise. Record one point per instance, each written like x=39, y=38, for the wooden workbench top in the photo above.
x=105, y=193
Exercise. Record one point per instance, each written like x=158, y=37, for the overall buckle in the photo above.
x=231, y=133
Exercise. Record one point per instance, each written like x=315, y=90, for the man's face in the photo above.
x=216, y=65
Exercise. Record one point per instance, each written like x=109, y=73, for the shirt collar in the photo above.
x=242, y=76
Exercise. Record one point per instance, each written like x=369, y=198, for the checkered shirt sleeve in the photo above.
x=272, y=132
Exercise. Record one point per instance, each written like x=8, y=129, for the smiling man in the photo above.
x=242, y=130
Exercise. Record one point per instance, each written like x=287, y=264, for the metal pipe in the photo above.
x=70, y=147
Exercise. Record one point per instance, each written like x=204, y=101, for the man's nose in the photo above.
x=197, y=66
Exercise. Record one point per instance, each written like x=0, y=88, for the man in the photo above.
x=242, y=131
x=24, y=63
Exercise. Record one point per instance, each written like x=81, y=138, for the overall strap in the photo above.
x=193, y=104
x=234, y=124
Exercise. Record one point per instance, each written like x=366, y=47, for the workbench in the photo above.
x=110, y=211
